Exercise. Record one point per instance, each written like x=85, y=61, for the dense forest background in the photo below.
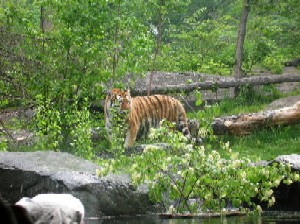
x=62, y=49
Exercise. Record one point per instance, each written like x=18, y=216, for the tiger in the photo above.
x=143, y=113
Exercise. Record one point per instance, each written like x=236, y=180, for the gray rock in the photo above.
x=284, y=102
x=287, y=196
x=293, y=160
x=26, y=174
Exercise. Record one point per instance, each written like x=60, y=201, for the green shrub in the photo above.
x=188, y=178
x=3, y=144
x=79, y=123
x=49, y=125
x=67, y=128
x=274, y=64
x=119, y=128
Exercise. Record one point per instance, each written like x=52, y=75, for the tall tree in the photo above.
x=238, y=72
x=159, y=34
x=162, y=15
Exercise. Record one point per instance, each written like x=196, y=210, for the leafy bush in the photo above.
x=188, y=178
x=3, y=144
x=212, y=67
x=48, y=124
x=79, y=123
x=118, y=131
x=58, y=126
x=274, y=64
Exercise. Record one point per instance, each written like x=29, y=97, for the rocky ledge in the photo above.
x=26, y=174
x=287, y=196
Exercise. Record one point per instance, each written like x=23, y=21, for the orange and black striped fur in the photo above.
x=144, y=112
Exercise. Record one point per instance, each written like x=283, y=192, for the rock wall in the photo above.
x=26, y=174
x=287, y=196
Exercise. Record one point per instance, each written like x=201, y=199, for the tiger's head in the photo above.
x=120, y=100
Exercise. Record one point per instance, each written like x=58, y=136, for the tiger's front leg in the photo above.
x=131, y=136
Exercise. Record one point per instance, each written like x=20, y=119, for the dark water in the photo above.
x=267, y=218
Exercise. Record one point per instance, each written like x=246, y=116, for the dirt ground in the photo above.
x=284, y=102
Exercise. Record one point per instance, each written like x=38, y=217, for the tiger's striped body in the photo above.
x=144, y=112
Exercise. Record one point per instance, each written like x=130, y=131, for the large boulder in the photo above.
x=293, y=160
x=26, y=174
x=287, y=196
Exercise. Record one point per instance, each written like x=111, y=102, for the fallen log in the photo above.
x=163, y=86
x=244, y=124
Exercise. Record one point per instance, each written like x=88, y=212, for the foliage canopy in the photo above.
x=65, y=48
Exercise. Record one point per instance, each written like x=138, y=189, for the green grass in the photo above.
x=250, y=100
x=267, y=144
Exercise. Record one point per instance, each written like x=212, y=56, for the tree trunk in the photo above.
x=157, y=44
x=238, y=72
x=245, y=124
x=116, y=48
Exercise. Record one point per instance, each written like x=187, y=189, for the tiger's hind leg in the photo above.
x=131, y=136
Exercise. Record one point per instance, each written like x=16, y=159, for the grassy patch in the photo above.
x=263, y=144
x=251, y=99
x=268, y=143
